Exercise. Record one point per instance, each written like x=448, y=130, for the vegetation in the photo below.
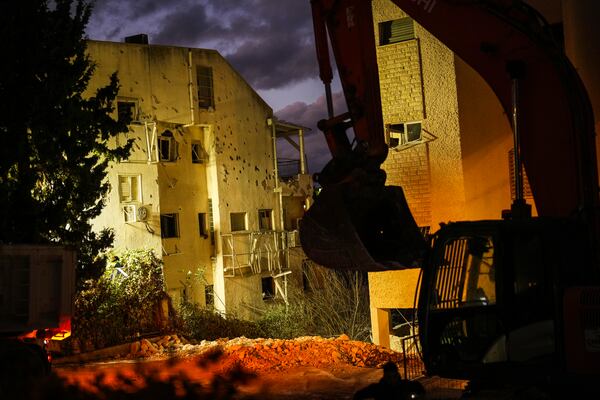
x=55, y=136
x=125, y=301
x=334, y=303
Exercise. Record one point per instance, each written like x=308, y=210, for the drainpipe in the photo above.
x=191, y=87
x=271, y=123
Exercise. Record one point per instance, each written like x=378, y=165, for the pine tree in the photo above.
x=54, y=141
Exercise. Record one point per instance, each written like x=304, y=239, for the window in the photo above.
x=404, y=133
x=265, y=220
x=205, y=88
x=465, y=273
x=169, y=225
x=209, y=296
x=396, y=31
x=130, y=189
x=198, y=154
x=268, y=288
x=126, y=111
x=167, y=146
x=238, y=221
x=202, y=225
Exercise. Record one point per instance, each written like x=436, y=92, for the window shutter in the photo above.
x=396, y=31
x=402, y=29
x=124, y=188
x=135, y=188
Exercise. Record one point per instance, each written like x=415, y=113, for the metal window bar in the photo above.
x=450, y=277
x=151, y=141
x=411, y=360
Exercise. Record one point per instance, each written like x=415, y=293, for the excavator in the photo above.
x=514, y=300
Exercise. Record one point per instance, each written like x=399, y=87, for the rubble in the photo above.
x=270, y=354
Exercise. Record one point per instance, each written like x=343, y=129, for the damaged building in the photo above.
x=201, y=186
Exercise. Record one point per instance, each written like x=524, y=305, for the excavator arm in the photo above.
x=357, y=218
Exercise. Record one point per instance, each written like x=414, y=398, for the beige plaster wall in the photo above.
x=238, y=175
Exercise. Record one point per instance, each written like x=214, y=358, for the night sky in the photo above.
x=270, y=42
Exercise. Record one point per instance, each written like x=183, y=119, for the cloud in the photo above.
x=308, y=115
x=269, y=42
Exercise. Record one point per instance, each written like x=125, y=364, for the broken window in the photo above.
x=206, y=99
x=238, y=221
x=198, y=155
x=265, y=220
x=129, y=188
x=404, y=133
x=126, y=111
x=202, y=225
x=169, y=225
x=396, y=31
x=268, y=288
x=167, y=146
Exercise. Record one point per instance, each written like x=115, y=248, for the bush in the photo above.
x=336, y=302
x=286, y=322
x=205, y=324
x=123, y=302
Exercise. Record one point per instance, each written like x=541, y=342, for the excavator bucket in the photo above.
x=367, y=232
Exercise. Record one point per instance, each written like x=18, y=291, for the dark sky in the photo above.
x=270, y=42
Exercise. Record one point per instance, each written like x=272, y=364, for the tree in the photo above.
x=54, y=148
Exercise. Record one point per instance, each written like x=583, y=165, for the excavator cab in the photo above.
x=491, y=301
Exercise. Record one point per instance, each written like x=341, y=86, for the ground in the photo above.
x=303, y=368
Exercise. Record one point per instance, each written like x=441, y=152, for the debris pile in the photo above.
x=277, y=354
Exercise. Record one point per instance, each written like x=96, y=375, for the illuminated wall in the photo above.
x=235, y=169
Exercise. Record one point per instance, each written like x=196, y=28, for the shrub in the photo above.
x=205, y=324
x=123, y=302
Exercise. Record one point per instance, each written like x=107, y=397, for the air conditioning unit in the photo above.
x=136, y=213
x=142, y=213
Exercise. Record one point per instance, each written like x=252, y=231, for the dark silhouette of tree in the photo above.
x=54, y=137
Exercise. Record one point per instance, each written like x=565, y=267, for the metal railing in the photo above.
x=412, y=364
x=255, y=252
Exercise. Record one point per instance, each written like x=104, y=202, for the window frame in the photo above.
x=205, y=101
x=270, y=294
x=386, y=36
x=130, y=177
x=202, y=225
x=197, y=152
x=231, y=221
x=167, y=137
x=163, y=229
x=133, y=109
x=397, y=138
x=261, y=219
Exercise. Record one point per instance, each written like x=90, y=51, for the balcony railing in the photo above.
x=254, y=252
